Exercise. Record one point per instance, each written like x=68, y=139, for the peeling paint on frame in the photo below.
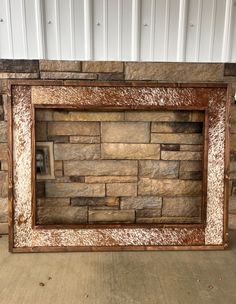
x=25, y=96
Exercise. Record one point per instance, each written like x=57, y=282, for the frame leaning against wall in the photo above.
x=25, y=96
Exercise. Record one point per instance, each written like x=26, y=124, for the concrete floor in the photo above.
x=119, y=277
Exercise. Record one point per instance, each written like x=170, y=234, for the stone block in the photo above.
x=3, y=228
x=111, y=76
x=3, y=131
x=73, y=128
x=176, y=127
x=169, y=220
x=169, y=147
x=151, y=214
x=87, y=116
x=19, y=75
x=76, y=151
x=233, y=128
x=130, y=151
x=232, y=204
x=141, y=202
x=110, y=179
x=174, y=71
x=19, y=66
x=40, y=189
x=233, y=114
x=125, y=132
x=77, y=179
x=59, y=139
x=43, y=115
x=197, y=116
x=159, y=169
x=232, y=140
x=102, y=66
x=230, y=69
x=60, y=66
x=84, y=139
x=190, y=175
x=169, y=138
x=3, y=86
x=194, y=148
x=101, y=167
x=181, y=206
x=232, y=221
x=4, y=165
x=58, y=173
x=3, y=184
x=111, y=216
x=74, y=190
x=3, y=209
x=190, y=166
x=121, y=189
x=67, y=75
x=96, y=202
x=169, y=187
x=53, y=202
x=61, y=215
x=3, y=151
x=41, y=131
x=181, y=155
x=158, y=116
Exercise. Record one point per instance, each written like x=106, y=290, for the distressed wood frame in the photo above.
x=25, y=96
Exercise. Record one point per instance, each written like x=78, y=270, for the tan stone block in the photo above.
x=169, y=220
x=197, y=116
x=101, y=167
x=181, y=206
x=181, y=155
x=96, y=202
x=102, y=66
x=110, y=179
x=73, y=128
x=169, y=187
x=3, y=184
x=41, y=131
x=53, y=202
x=159, y=169
x=190, y=166
x=3, y=228
x=43, y=115
x=194, y=148
x=59, y=139
x=130, y=151
x=58, y=173
x=76, y=151
x=77, y=179
x=232, y=221
x=232, y=204
x=87, y=116
x=3, y=131
x=67, y=75
x=74, y=190
x=58, y=165
x=141, y=202
x=61, y=215
x=158, y=116
x=232, y=140
x=60, y=65
x=111, y=216
x=3, y=151
x=176, y=127
x=190, y=175
x=3, y=209
x=84, y=139
x=19, y=75
x=121, y=189
x=143, y=214
x=169, y=138
x=174, y=71
x=125, y=132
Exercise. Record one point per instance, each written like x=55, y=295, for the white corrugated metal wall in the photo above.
x=147, y=30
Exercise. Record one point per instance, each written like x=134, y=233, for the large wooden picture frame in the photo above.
x=26, y=96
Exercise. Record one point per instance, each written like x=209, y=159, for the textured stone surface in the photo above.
x=112, y=216
x=62, y=215
x=197, y=116
x=110, y=76
x=19, y=75
x=74, y=190
x=87, y=116
x=181, y=206
x=41, y=131
x=173, y=71
x=121, y=189
x=3, y=184
x=170, y=147
x=53, y=202
x=189, y=166
x=169, y=187
x=125, y=132
x=176, y=127
x=143, y=214
x=168, y=220
x=59, y=139
x=3, y=209
x=158, y=116
x=76, y=151
x=230, y=69
x=73, y=128
x=19, y=66
x=84, y=139
x=195, y=148
x=44, y=115
x=141, y=202
x=60, y=65
x=96, y=202
x=159, y=169
x=3, y=228
x=110, y=179
x=130, y=151
x=101, y=167
x=3, y=131
x=181, y=155
x=176, y=138
x=102, y=66
x=67, y=75
x=190, y=175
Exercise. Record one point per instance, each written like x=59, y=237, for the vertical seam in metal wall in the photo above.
x=39, y=17
x=105, y=29
x=24, y=28
x=119, y=40
x=198, y=31
x=167, y=24
x=182, y=30
x=227, y=31
x=72, y=29
x=135, y=36
x=152, y=29
x=88, y=30
x=57, y=23
x=10, y=37
x=212, y=30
